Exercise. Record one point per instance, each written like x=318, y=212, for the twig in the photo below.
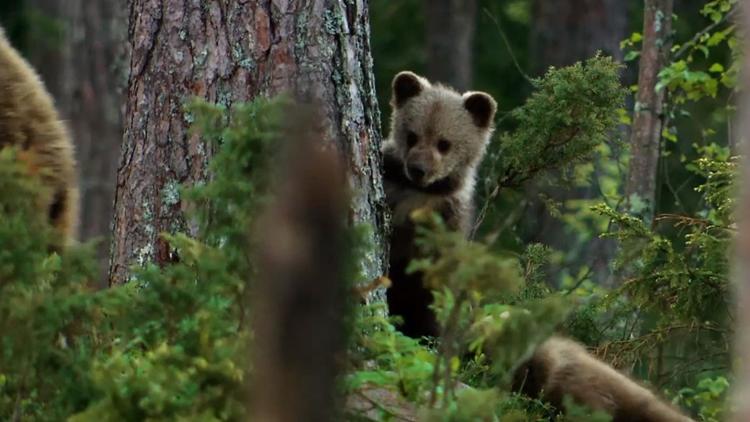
x=507, y=45
x=446, y=346
x=688, y=45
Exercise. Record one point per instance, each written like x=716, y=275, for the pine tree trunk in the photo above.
x=450, y=35
x=227, y=52
x=645, y=139
x=566, y=31
x=81, y=70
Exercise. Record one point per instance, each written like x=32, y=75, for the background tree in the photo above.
x=78, y=48
x=564, y=32
x=645, y=140
x=96, y=35
x=226, y=53
x=450, y=26
x=47, y=48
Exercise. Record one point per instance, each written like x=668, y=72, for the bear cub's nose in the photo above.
x=416, y=174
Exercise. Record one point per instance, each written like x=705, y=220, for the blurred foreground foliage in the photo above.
x=173, y=342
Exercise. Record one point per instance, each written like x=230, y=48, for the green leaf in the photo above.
x=669, y=135
x=716, y=38
x=632, y=55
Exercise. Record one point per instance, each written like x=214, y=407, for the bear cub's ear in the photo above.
x=482, y=108
x=406, y=85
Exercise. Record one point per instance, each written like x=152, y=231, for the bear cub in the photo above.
x=438, y=139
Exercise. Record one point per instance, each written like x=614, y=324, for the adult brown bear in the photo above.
x=30, y=123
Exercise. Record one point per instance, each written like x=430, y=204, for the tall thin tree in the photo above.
x=450, y=34
x=645, y=139
x=230, y=51
x=566, y=31
x=97, y=36
x=80, y=60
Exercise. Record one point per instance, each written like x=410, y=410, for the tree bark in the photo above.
x=566, y=31
x=82, y=70
x=227, y=52
x=645, y=139
x=450, y=36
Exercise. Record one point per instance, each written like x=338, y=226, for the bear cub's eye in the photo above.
x=411, y=139
x=443, y=146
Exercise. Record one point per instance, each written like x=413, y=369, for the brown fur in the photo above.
x=438, y=138
x=561, y=367
x=30, y=122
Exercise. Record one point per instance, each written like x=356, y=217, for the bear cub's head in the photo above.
x=438, y=135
